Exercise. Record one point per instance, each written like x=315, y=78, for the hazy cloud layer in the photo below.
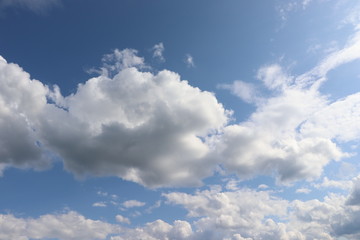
x=37, y=6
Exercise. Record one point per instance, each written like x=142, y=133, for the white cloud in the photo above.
x=114, y=62
x=159, y=51
x=327, y=183
x=21, y=100
x=354, y=198
x=274, y=77
x=37, y=6
x=263, y=186
x=189, y=60
x=350, y=52
x=133, y=203
x=223, y=214
x=122, y=219
x=270, y=140
x=67, y=226
x=245, y=91
x=158, y=230
x=292, y=134
x=303, y=190
x=141, y=127
x=99, y=204
x=338, y=120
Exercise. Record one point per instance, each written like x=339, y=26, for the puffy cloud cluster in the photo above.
x=240, y=214
x=67, y=226
x=147, y=128
x=272, y=139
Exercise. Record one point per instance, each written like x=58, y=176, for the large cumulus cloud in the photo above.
x=21, y=101
x=144, y=127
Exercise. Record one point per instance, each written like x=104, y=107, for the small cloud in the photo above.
x=263, y=186
x=122, y=219
x=151, y=208
x=99, y=204
x=189, y=60
x=158, y=51
x=103, y=194
x=118, y=60
x=303, y=190
x=133, y=203
x=245, y=91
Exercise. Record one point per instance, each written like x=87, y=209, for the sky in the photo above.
x=164, y=119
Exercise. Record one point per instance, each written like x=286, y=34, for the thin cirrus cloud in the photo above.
x=37, y=6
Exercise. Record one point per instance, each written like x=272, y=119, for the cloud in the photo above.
x=122, y=219
x=67, y=226
x=293, y=133
x=349, y=53
x=224, y=214
x=337, y=120
x=157, y=130
x=245, y=91
x=158, y=230
x=114, y=62
x=274, y=77
x=327, y=183
x=158, y=51
x=270, y=140
x=189, y=60
x=354, y=198
x=303, y=190
x=21, y=100
x=37, y=6
x=133, y=203
x=99, y=204
x=143, y=127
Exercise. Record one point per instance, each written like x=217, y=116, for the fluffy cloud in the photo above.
x=21, y=100
x=158, y=230
x=122, y=219
x=293, y=133
x=270, y=140
x=224, y=214
x=138, y=126
x=354, y=198
x=146, y=128
x=68, y=226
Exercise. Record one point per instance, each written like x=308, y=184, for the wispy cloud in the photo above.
x=37, y=6
x=189, y=60
x=158, y=51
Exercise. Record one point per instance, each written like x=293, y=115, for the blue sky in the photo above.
x=135, y=119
